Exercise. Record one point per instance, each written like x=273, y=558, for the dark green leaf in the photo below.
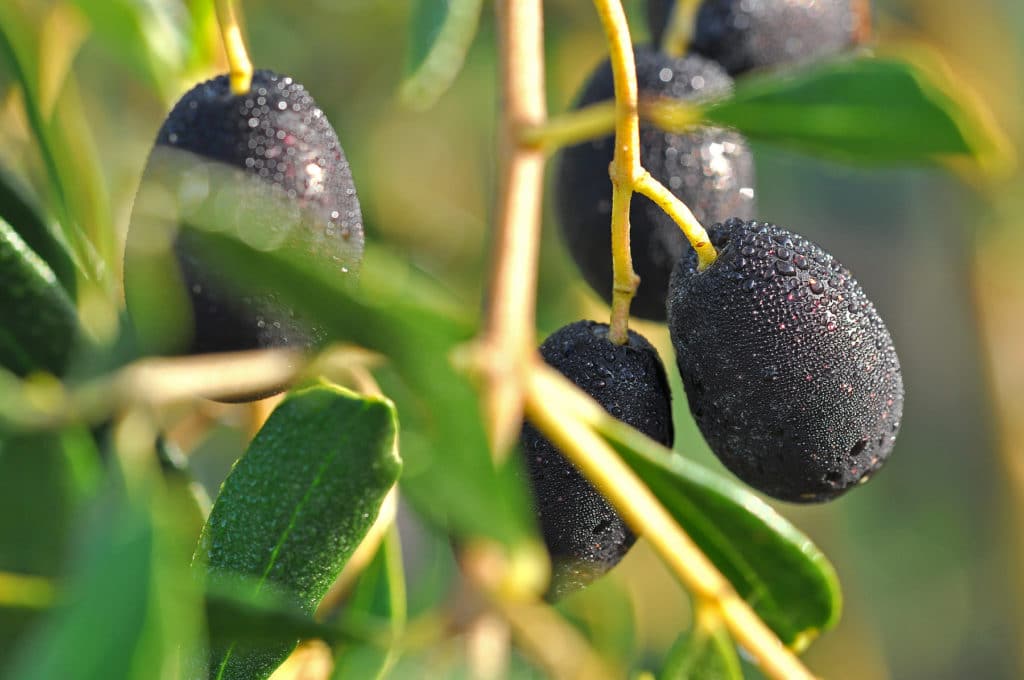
x=40, y=324
x=775, y=568
x=43, y=479
x=442, y=32
x=25, y=217
x=379, y=595
x=297, y=505
x=702, y=654
x=239, y=611
x=864, y=110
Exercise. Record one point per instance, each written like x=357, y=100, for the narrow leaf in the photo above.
x=772, y=565
x=862, y=110
x=68, y=193
x=702, y=654
x=24, y=215
x=44, y=479
x=151, y=37
x=442, y=32
x=379, y=596
x=128, y=606
x=297, y=504
x=40, y=322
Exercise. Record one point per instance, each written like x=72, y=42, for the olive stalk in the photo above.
x=238, y=57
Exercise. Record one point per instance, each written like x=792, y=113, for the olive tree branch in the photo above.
x=508, y=335
x=234, y=45
x=573, y=430
x=41, y=402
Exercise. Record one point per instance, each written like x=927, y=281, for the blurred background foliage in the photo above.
x=929, y=554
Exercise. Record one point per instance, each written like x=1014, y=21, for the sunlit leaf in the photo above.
x=864, y=110
x=297, y=505
x=702, y=654
x=129, y=606
x=378, y=598
x=151, y=36
x=44, y=480
x=772, y=565
x=441, y=34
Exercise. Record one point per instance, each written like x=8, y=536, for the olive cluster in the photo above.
x=789, y=371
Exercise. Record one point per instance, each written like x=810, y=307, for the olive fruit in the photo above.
x=743, y=35
x=789, y=371
x=265, y=167
x=584, y=535
x=709, y=169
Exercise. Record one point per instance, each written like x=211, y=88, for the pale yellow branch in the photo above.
x=508, y=336
x=575, y=438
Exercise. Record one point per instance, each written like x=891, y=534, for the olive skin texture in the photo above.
x=710, y=169
x=265, y=166
x=584, y=535
x=789, y=371
x=744, y=35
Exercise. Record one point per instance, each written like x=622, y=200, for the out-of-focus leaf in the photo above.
x=441, y=34
x=297, y=505
x=864, y=110
x=40, y=323
x=65, y=145
x=379, y=596
x=397, y=312
x=154, y=37
x=240, y=611
x=25, y=217
x=128, y=606
x=702, y=654
x=44, y=479
x=772, y=565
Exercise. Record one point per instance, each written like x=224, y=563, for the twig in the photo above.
x=571, y=431
x=157, y=383
x=508, y=336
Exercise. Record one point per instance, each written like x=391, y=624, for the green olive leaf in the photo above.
x=129, y=578
x=379, y=596
x=24, y=215
x=702, y=654
x=441, y=34
x=297, y=505
x=40, y=326
x=866, y=110
x=772, y=565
